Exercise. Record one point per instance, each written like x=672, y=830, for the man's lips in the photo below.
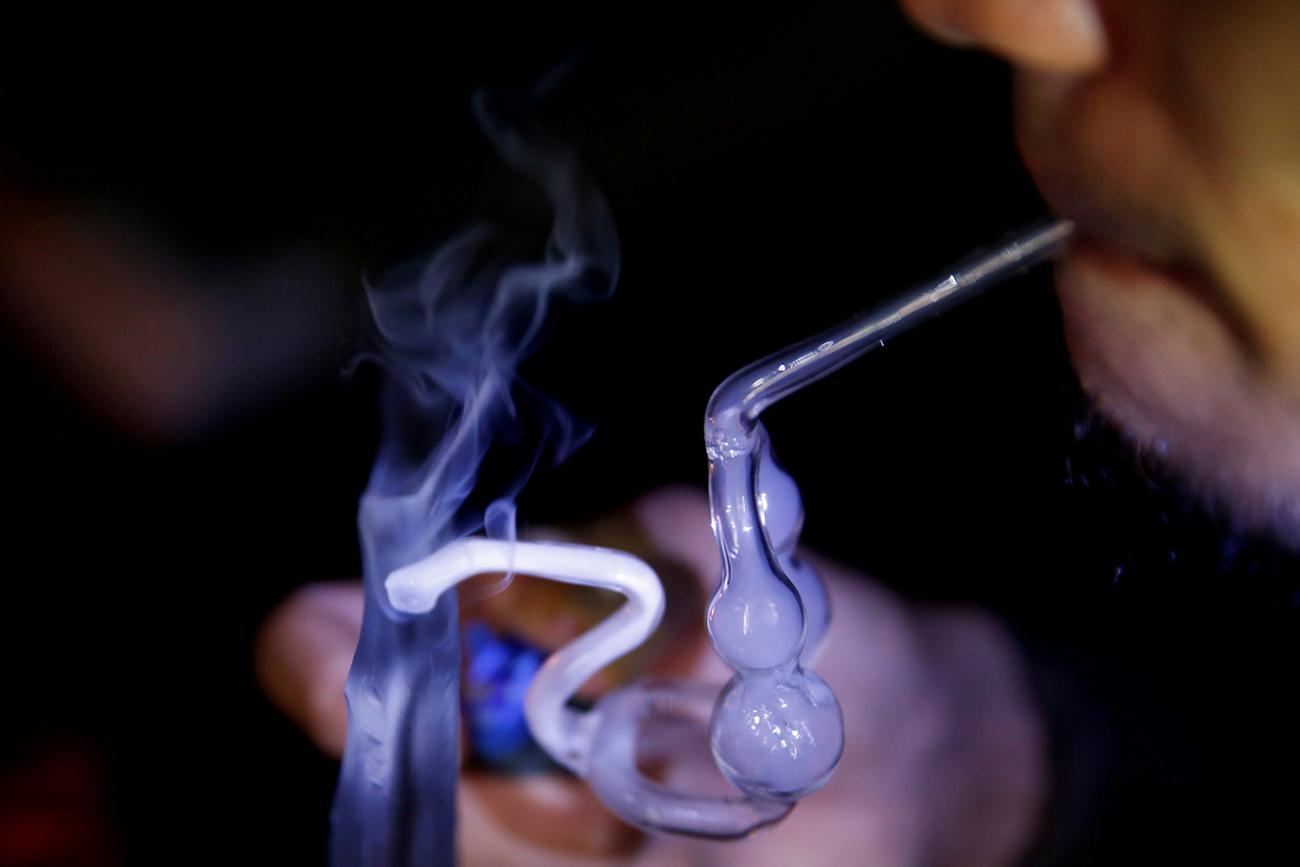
x=1122, y=266
x=1128, y=242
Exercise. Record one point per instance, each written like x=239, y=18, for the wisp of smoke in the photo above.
x=449, y=336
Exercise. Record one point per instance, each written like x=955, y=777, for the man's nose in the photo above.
x=1056, y=35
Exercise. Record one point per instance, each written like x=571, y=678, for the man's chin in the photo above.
x=1148, y=530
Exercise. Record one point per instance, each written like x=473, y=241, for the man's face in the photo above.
x=1169, y=130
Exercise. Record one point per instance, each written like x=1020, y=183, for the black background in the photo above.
x=770, y=173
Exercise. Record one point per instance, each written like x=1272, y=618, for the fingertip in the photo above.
x=302, y=656
x=677, y=522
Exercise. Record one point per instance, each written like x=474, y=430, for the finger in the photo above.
x=677, y=522
x=303, y=654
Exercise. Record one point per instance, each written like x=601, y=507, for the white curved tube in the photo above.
x=599, y=745
x=565, y=734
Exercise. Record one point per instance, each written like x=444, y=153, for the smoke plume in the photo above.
x=450, y=335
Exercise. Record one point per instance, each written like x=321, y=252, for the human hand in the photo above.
x=944, y=760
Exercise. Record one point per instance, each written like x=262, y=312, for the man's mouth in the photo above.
x=1131, y=266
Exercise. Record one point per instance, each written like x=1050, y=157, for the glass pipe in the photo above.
x=775, y=731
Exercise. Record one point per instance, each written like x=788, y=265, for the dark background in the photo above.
x=770, y=173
